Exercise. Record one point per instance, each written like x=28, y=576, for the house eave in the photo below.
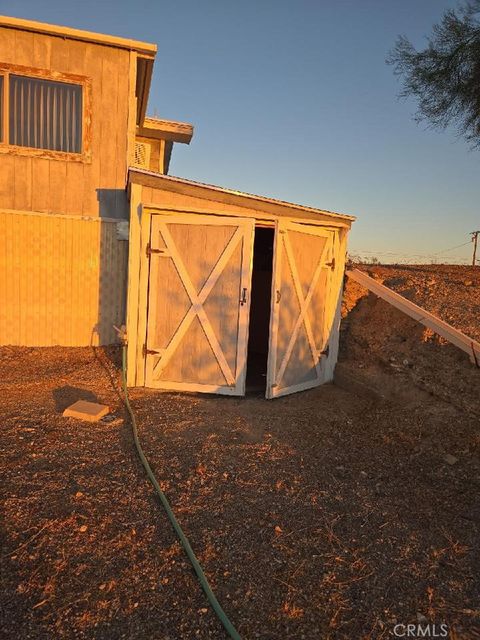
x=166, y=130
x=144, y=48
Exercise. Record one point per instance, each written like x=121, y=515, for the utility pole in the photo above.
x=474, y=240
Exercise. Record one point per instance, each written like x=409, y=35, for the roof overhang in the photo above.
x=144, y=48
x=142, y=86
x=166, y=130
x=238, y=198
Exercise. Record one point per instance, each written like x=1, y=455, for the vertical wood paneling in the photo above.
x=91, y=171
x=22, y=185
x=132, y=109
x=40, y=166
x=108, y=134
x=7, y=165
x=62, y=280
x=121, y=131
x=38, y=184
x=74, y=191
x=59, y=57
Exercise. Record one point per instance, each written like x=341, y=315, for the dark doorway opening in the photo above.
x=259, y=325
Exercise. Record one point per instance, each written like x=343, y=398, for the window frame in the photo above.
x=85, y=155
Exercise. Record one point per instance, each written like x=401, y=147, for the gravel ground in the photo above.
x=336, y=513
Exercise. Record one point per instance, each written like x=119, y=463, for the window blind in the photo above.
x=45, y=114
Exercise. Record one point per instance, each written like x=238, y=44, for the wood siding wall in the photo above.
x=61, y=186
x=160, y=197
x=62, y=280
x=180, y=198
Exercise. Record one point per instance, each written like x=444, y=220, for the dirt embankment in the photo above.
x=377, y=339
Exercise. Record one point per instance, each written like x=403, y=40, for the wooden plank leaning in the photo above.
x=456, y=337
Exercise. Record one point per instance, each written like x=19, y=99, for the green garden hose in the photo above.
x=222, y=616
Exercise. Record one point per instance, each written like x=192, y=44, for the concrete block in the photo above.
x=89, y=411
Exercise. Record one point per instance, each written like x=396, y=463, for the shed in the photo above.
x=226, y=291
x=229, y=291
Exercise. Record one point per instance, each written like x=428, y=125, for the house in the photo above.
x=219, y=288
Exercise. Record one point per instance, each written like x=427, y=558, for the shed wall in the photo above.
x=94, y=188
x=180, y=201
x=62, y=280
x=201, y=198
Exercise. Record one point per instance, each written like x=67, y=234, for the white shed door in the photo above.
x=198, y=303
x=302, y=273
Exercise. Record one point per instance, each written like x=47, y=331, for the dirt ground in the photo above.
x=333, y=514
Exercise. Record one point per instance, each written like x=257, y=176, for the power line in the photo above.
x=451, y=248
x=414, y=255
x=402, y=255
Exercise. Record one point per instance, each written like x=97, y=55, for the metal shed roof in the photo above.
x=159, y=180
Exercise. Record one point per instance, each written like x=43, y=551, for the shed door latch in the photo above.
x=149, y=250
x=148, y=352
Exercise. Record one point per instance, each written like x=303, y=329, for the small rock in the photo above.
x=468, y=283
x=83, y=528
x=421, y=618
x=203, y=610
x=363, y=473
x=278, y=530
x=78, y=495
x=449, y=459
x=109, y=418
x=395, y=282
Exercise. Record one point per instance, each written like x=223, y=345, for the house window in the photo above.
x=44, y=114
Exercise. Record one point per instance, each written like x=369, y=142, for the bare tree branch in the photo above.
x=444, y=77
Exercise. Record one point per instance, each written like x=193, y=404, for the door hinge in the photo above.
x=149, y=250
x=331, y=264
x=148, y=352
x=325, y=352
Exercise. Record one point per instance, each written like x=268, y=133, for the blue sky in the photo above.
x=293, y=99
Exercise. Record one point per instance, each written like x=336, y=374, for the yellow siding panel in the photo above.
x=62, y=280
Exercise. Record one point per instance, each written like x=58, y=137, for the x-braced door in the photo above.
x=198, y=303
x=299, y=322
